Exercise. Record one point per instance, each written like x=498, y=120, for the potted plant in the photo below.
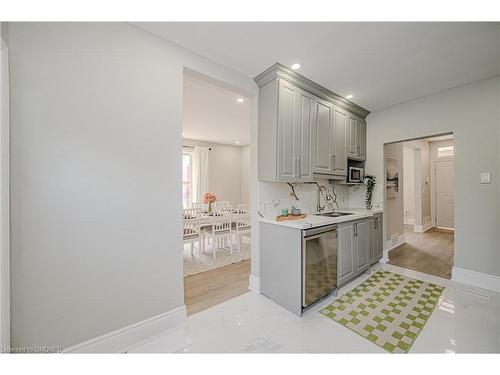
x=370, y=186
x=209, y=198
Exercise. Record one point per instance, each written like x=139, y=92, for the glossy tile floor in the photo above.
x=461, y=323
x=430, y=252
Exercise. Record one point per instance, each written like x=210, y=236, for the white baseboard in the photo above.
x=254, y=284
x=128, y=337
x=477, y=279
x=422, y=228
x=409, y=221
x=389, y=245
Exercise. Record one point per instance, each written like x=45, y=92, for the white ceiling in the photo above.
x=380, y=63
x=212, y=113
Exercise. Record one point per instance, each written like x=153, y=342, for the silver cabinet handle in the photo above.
x=299, y=168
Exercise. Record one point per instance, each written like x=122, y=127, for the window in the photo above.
x=187, y=178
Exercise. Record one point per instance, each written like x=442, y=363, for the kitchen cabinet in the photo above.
x=329, y=140
x=356, y=138
x=304, y=129
x=345, y=261
x=354, y=250
x=376, y=239
x=285, y=153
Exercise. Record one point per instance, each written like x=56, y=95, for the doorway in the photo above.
x=420, y=209
x=216, y=192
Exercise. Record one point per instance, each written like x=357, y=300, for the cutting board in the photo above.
x=290, y=217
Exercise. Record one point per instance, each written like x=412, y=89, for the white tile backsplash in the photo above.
x=275, y=196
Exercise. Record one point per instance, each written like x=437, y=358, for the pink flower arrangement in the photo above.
x=209, y=198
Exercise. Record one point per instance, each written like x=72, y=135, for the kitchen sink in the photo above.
x=335, y=214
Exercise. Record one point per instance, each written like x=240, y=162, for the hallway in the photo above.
x=430, y=252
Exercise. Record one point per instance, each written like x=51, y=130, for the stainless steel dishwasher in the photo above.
x=319, y=263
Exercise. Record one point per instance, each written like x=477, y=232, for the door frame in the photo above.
x=5, y=197
x=433, y=159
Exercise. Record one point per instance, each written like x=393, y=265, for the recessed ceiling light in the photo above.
x=350, y=96
x=240, y=100
x=237, y=142
x=295, y=66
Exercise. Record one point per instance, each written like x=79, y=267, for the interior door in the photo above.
x=445, y=205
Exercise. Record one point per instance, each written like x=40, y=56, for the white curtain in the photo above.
x=200, y=173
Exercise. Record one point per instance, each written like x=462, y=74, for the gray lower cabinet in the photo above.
x=354, y=250
x=376, y=239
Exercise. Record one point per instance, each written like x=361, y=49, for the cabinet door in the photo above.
x=373, y=240
x=352, y=141
x=340, y=120
x=362, y=237
x=323, y=136
x=379, y=245
x=345, y=265
x=302, y=135
x=287, y=162
x=361, y=139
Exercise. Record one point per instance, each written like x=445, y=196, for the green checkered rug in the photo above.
x=388, y=309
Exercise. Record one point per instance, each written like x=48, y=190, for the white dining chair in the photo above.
x=191, y=228
x=219, y=231
x=242, y=223
x=220, y=204
x=200, y=206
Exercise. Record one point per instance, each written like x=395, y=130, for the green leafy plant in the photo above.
x=370, y=186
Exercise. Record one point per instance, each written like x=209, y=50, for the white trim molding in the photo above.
x=123, y=339
x=389, y=245
x=409, y=221
x=477, y=279
x=254, y=284
x=427, y=224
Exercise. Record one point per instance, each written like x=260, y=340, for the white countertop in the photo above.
x=313, y=220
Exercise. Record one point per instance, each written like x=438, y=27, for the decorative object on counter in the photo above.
x=388, y=309
x=392, y=177
x=284, y=212
x=370, y=182
x=296, y=211
x=292, y=193
x=209, y=198
x=290, y=217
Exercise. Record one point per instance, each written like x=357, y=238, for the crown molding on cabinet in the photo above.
x=279, y=71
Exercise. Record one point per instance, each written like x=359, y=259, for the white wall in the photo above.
x=245, y=174
x=394, y=207
x=226, y=172
x=96, y=137
x=471, y=112
x=4, y=192
x=409, y=185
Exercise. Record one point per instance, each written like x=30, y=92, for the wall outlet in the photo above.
x=485, y=178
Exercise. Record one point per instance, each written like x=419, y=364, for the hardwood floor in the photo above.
x=210, y=288
x=430, y=252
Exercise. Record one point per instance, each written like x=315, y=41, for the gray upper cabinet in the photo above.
x=340, y=118
x=285, y=140
x=303, y=128
x=323, y=136
x=356, y=138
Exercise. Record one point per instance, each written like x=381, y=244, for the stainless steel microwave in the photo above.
x=356, y=174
